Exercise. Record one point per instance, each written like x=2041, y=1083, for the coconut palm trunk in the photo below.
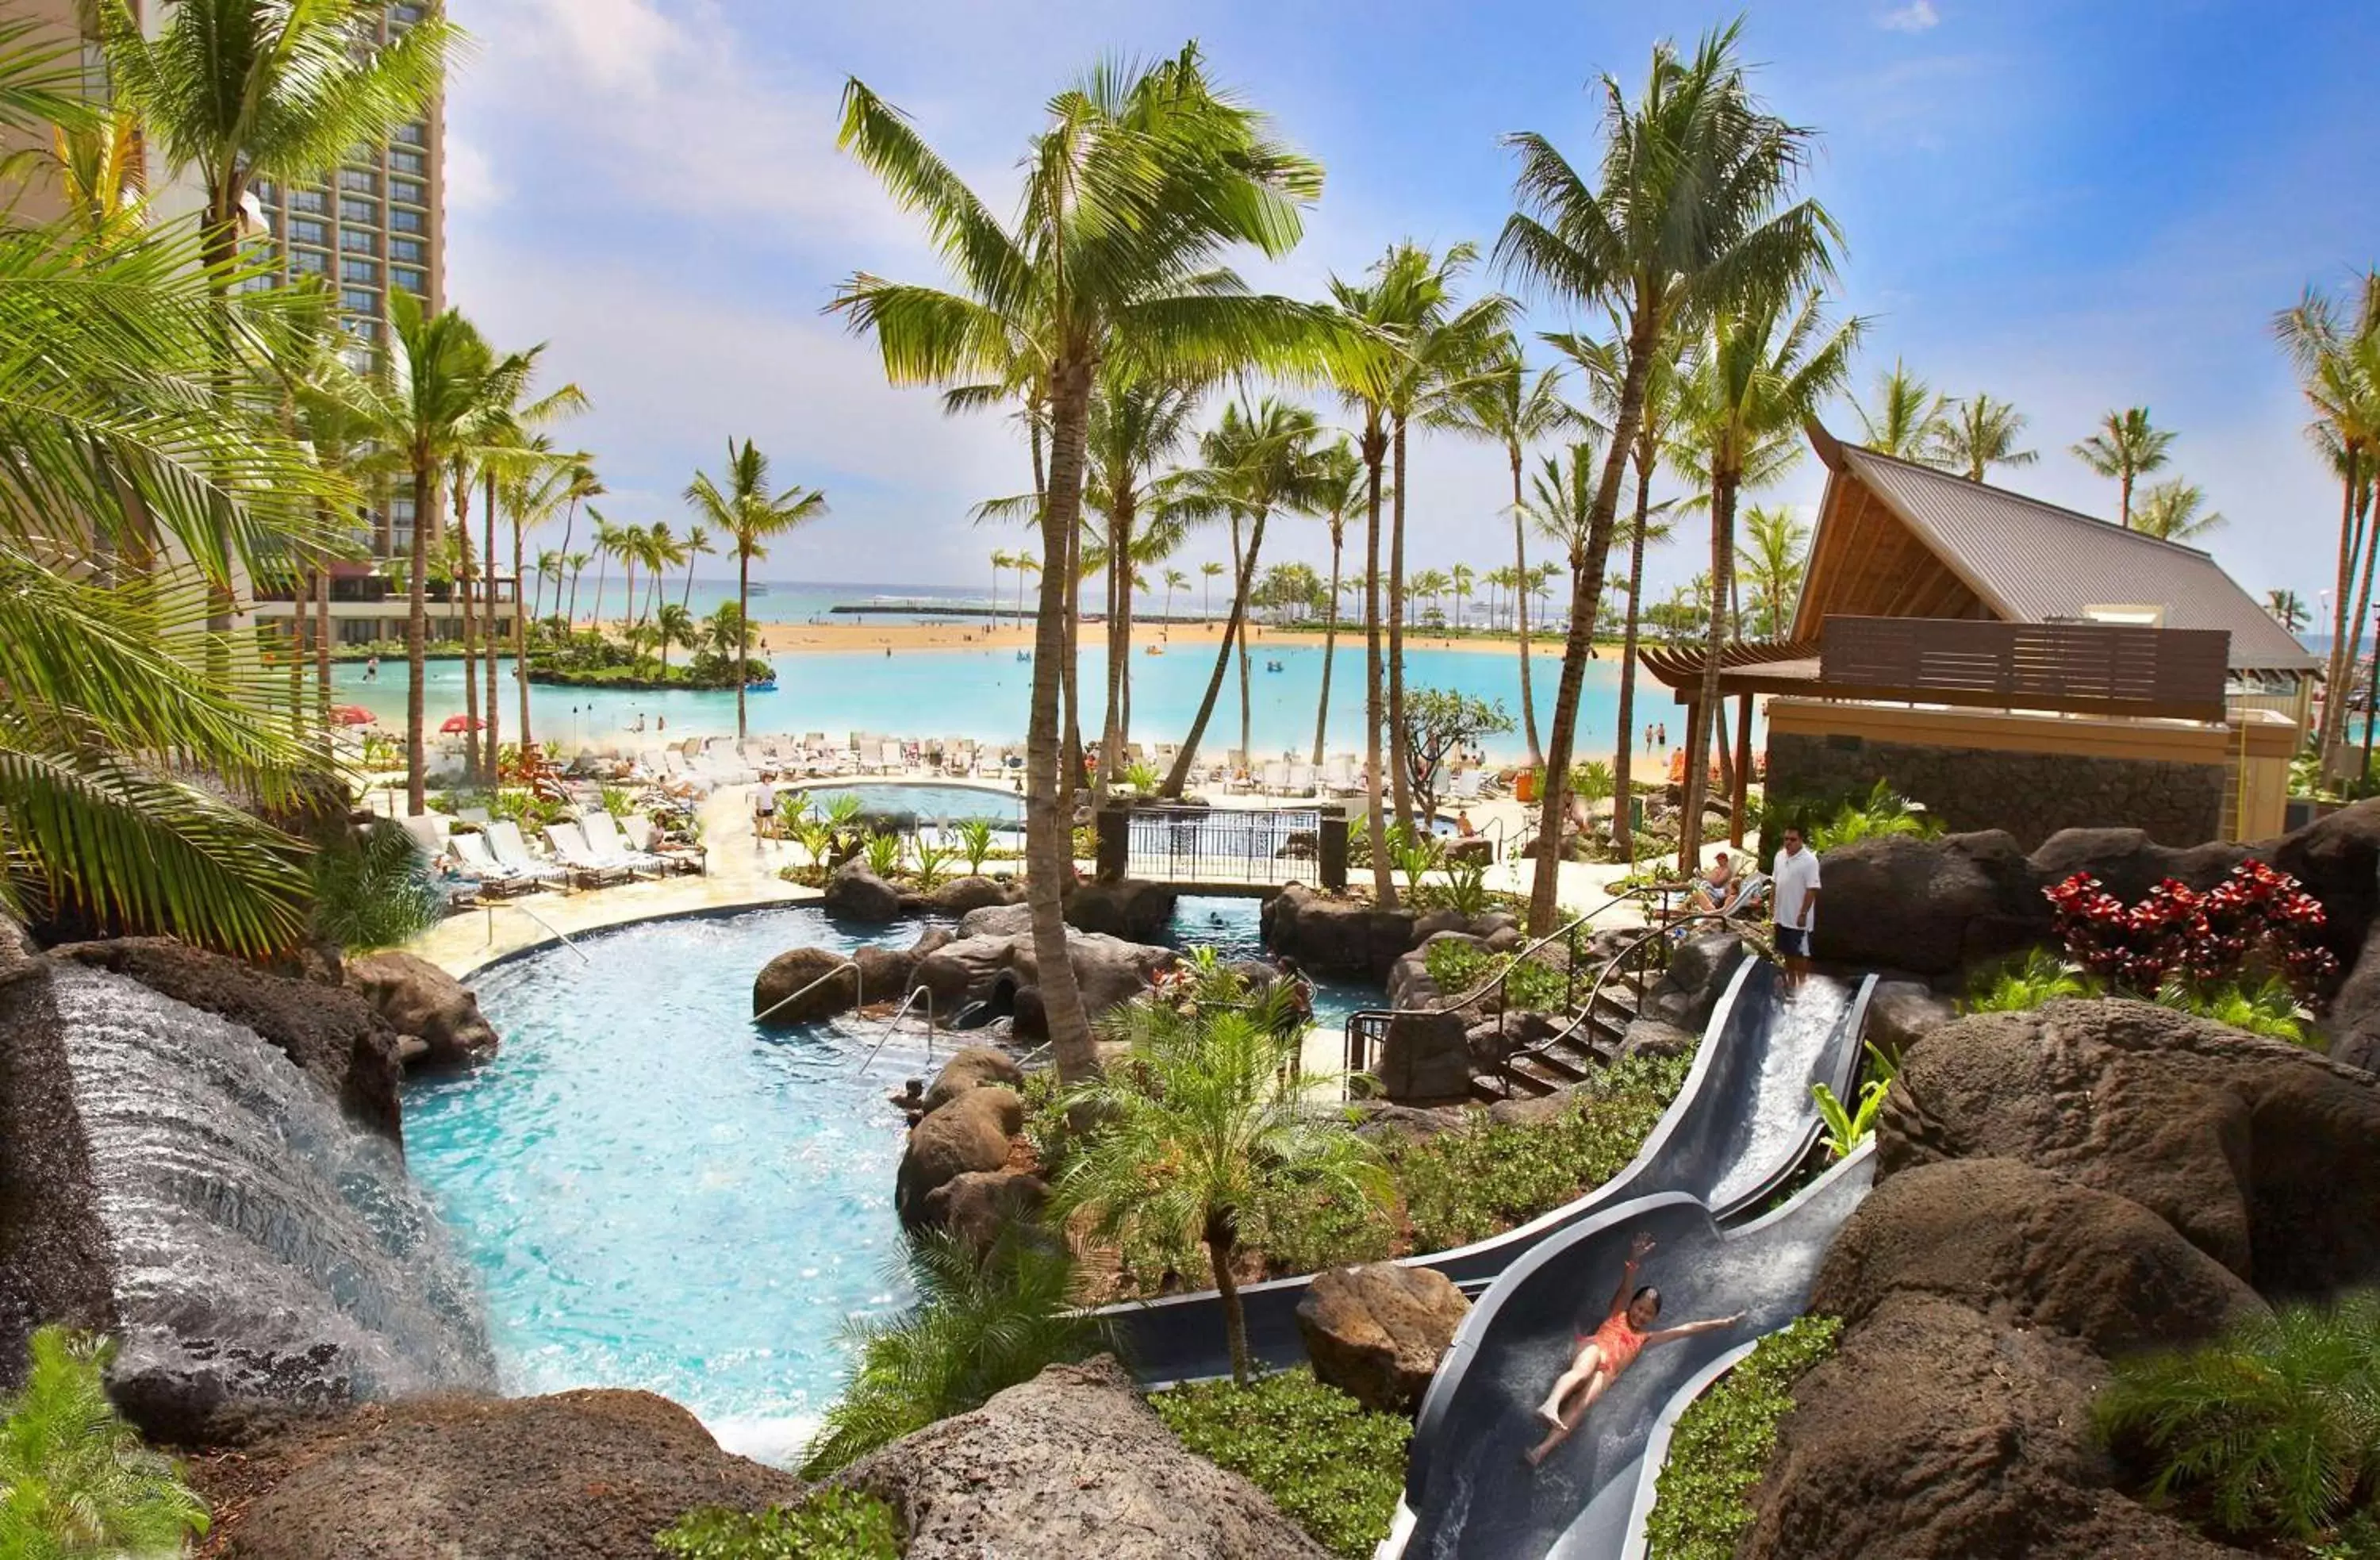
x=491, y=639
x=1049, y=805
x=1384, y=881
x=1398, y=758
x=1521, y=568
x=1243, y=576
x=1708, y=717
x=463, y=567
x=1235, y=1323
x=520, y=642
x=744, y=639
x=1114, y=728
x=1248, y=574
x=1622, y=839
x=417, y=640
x=1329, y=640
x=2333, y=708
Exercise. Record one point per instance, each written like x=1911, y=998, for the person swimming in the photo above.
x=1599, y=1356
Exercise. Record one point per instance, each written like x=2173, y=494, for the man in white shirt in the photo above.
x=764, y=810
x=1796, y=877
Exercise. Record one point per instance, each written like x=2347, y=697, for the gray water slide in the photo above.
x=1740, y=1125
x=1469, y=1488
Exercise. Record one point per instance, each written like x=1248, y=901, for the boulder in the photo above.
x=1934, y=1433
x=969, y=1133
x=1376, y=1332
x=963, y=969
x=1697, y=977
x=2128, y=863
x=1108, y=972
x=1336, y=936
x=1381, y=1121
x=976, y=1206
x=2352, y=1024
x=1128, y=908
x=2336, y=858
x=1653, y=1037
x=884, y=973
x=825, y=981
x=592, y=1475
x=972, y=1067
x=962, y=896
x=2257, y=1151
x=2022, y=1246
x=1933, y=907
x=1903, y=1012
x=422, y=1001
x=56, y=1261
x=339, y=1037
x=855, y=894
x=1410, y=983
x=1437, y=921
x=1072, y=1463
x=1505, y=939
x=1424, y=1058
x=1532, y=1110
x=997, y=920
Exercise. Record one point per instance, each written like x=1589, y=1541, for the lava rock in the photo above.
x=1933, y=907
x=2337, y=859
x=1336, y=936
x=1130, y=909
x=1899, y=1013
x=56, y=1263
x=969, y=1133
x=962, y=896
x=590, y=1475
x=855, y=894
x=2256, y=1150
x=1698, y=973
x=1073, y=1462
x=339, y=1037
x=1380, y=1122
x=2022, y=1246
x=420, y=1000
x=975, y=1207
x=1424, y=1058
x=1652, y=1037
x=810, y=984
x=997, y=921
x=972, y=1067
x=1377, y=1330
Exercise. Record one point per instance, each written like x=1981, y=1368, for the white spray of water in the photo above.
x=1782, y=1107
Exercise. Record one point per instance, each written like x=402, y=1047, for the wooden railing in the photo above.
x=2118, y=669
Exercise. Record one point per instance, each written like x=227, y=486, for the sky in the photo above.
x=2071, y=207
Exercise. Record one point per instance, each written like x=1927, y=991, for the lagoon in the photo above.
x=981, y=695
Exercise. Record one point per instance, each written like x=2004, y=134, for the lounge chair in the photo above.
x=513, y=852
x=429, y=832
x=1466, y=785
x=1276, y=778
x=605, y=841
x=638, y=830
x=493, y=876
x=584, y=866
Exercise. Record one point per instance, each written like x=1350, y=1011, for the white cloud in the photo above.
x=1918, y=16
x=471, y=182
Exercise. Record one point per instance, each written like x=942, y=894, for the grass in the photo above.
x=1332, y=1466
x=830, y=1525
x=1723, y=1440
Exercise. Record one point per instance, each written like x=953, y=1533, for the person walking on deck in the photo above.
x=1796, y=879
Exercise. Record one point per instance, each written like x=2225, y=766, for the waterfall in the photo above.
x=263, y=1245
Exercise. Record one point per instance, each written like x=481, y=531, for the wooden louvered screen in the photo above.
x=2172, y=671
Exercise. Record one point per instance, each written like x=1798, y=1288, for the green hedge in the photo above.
x=1334, y=1467
x=830, y=1525
x=1722, y=1443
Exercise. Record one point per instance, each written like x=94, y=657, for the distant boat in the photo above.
x=767, y=686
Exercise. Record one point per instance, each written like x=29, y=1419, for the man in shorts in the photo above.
x=1795, y=907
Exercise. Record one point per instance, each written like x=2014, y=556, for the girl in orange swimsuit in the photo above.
x=1611, y=1349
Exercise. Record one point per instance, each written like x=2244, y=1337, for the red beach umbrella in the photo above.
x=352, y=714
x=454, y=723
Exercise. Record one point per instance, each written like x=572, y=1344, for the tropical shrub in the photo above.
x=1467, y=1185
x=373, y=887
x=75, y=1483
x=1459, y=968
x=883, y=852
x=977, y=1326
x=974, y=843
x=2258, y=923
x=1332, y=1466
x=2039, y=978
x=1466, y=892
x=830, y=1525
x=1723, y=1440
x=1142, y=779
x=2270, y=1009
x=1882, y=812
x=2274, y=1429
x=1413, y=852
x=1848, y=1126
x=1593, y=781
x=933, y=863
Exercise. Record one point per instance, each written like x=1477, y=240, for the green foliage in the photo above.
x=2273, y=1429
x=618, y=800
x=2267, y=1009
x=1592, y=781
x=1460, y=969
x=2040, y=977
x=883, y=854
x=75, y=1483
x=1723, y=1440
x=818, y=841
x=1142, y=779
x=1848, y=1127
x=1466, y=892
x=1332, y=1466
x=830, y=1525
x=1537, y=988
x=1413, y=853
x=933, y=863
x=974, y=843
x=1882, y=812
x=1465, y=1186
x=373, y=888
x=977, y=1326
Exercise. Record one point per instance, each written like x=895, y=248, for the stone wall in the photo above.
x=2030, y=795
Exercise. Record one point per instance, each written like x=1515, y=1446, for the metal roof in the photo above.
x=2032, y=562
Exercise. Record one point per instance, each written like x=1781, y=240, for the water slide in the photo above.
x=1742, y=1124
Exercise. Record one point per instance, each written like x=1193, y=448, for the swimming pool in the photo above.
x=929, y=803
x=654, y=1193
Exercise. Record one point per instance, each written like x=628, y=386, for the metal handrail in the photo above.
x=1650, y=936
x=894, y=1022
x=560, y=936
x=858, y=994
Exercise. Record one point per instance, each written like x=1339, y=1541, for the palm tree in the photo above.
x=1258, y=459
x=748, y=515
x=1691, y=214
x=610, y=541
x=1206, y=1127
x=1142, y=180
x=79, y=1480
x=1025, y=564
x=1338, y=483
x=508, y=452
x=1174, y=580
x=1430, y=587
x=1210, y=571
x=1463, y=578
x=2289, y=610
x=549, y=569
x=1910, y=422
x=1562, y=502
x=1980, y=433
x=2336, y=355
x=1000, y=564
x=696, y=544
x=538, y=482
x=1504, y=404
x=584, y=485
x=662, y=551
x=2172, y=511
x=2127, y=447
x=1774, y=555
x=675, y=626
x=1765, y=370
x=578, y=561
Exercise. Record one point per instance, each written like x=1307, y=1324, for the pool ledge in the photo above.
x=467, y=942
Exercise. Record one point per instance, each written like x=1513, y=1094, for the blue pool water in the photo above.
x=653, y=1193
x=931, y=803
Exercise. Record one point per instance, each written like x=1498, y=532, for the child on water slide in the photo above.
x=1611, y=1349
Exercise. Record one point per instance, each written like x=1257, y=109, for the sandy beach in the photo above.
x=847, y=636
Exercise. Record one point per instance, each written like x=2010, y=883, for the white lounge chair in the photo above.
x=513, y=851
x=1466, y=785
x=639, y=829
x=429, y=832
x=605, y=841
x=585, y=867
x=479, y=863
